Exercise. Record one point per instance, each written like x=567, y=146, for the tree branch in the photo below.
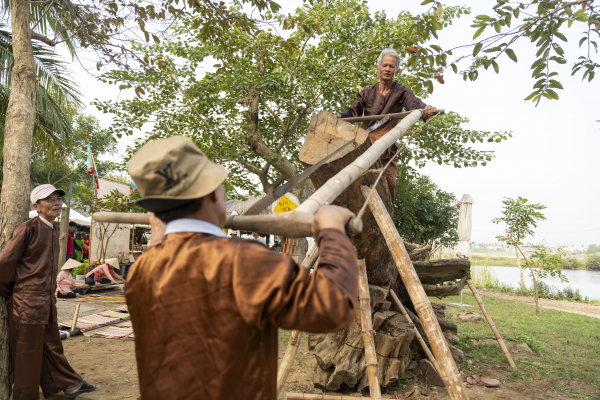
x=42, y=38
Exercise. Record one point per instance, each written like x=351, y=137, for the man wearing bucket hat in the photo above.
x=205, y=308
x=66, y=286
x=28, y=269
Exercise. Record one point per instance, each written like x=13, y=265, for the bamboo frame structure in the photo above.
x=367, y=329
x=448, y=370
x=491, y=324
x=298, y=223
x=75, y=317
x=294, y=343
x=417, y=334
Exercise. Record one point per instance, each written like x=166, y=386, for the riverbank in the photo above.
x=587, y=309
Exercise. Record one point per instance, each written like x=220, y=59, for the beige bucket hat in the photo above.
x=113, y=262
x=172, y=172
x=70, y=264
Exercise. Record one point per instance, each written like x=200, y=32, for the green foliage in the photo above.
x=81, y=270
x=592, y=263
x=484, y=277
x=425, y=214
x=252, y=113
x=571, y=263
x=533, y=344
x=544, y=24
x=520, y=218
x=592, y=249
x=72, y=165
x=115, y=201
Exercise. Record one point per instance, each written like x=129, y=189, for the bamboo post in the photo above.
x=491, y=324
x=75, y=317
x=294, y=344
x=448, y=370
x=367, y=329
x=417, y=334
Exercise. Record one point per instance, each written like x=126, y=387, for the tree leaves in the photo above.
x=511, y=54
x=477, y=48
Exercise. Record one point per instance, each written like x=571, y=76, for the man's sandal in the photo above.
x=482, y=380
x=76, y=390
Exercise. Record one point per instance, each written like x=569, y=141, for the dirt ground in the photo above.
x=110, y=364
x=300, y=380
x=590, y=310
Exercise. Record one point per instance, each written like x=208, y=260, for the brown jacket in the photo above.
x=370, y=101
x=205, y=312
x=28, y=269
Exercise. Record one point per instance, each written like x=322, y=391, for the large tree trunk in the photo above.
x=340, y=355
x=20, y=119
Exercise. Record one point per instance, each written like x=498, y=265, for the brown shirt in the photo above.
x=28, y=269
x=205, y=312
x=370, y=101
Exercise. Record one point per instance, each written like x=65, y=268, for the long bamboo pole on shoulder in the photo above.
x=367, y=330
x=417, y=334
x=491, y=324
x=294, y=343
x=448, y=370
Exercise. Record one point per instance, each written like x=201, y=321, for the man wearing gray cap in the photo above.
x=28, y=269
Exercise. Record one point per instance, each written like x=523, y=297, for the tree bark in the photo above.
x=18, y=131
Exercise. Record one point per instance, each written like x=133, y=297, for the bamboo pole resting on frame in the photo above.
x=294, y=344
x=367, y=329
x=491, y=324
x=417, y=334
x=448, y=371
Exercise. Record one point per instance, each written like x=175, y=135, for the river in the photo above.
x=588, y=282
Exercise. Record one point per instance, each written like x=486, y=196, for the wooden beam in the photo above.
x=448, y=370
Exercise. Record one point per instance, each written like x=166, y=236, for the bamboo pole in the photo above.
x=294, y=343
x=298, y=223
x=75, y=317
x=491, y=324
x=448, y=370
x=307, y=396
x=367, y=329
x=378, y=117
x=417, y=334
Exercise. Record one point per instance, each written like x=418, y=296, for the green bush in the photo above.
x=571, y=263
x=592, y=263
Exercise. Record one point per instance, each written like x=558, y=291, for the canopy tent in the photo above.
x=74, y=215
x=463, y=250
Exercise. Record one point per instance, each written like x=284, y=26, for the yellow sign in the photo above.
x=287, y=202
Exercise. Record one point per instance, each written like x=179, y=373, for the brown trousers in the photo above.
x=37, y=359
x=391, y=175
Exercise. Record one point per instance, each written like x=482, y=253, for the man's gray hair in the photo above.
x=391, y=52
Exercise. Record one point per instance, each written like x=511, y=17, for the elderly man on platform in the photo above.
x=28, y=269
x=386, y=97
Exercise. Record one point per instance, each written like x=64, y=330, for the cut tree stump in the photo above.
x=326, y=134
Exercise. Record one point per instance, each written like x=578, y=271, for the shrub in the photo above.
x=592, y=263
x=571, y=263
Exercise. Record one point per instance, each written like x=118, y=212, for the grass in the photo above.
x=567, y=345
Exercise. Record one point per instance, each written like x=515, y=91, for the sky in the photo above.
x=553, y=157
